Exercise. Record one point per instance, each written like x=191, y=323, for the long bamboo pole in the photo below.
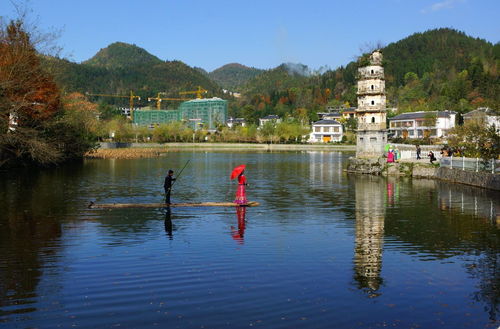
x=163, y=205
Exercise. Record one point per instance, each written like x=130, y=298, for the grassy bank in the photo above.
x=126, y=153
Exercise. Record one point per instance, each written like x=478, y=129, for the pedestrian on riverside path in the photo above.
x=431, y=156
x=390, y=156
x=418, y=152
x=168, y=185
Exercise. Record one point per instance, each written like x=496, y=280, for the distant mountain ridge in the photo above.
x=441, y=69
x=233, y=76
x=120, y=55
x=121, y=68
x=452, y=70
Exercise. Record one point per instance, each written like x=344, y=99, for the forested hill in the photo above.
x=434, y=51
x=122, y=55
x=440, y=69
x=121, y=67
x=233, y=76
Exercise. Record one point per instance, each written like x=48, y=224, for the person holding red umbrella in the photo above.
x=241, y=197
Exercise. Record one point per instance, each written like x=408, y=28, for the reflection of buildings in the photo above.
x=325, y=167
x=469, y=200
x=370, y=215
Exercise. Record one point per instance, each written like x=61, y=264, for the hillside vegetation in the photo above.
x=441, y=69
x=233, y=76
x=120, y=68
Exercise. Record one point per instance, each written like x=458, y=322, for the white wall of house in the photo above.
x=324, y=133
x=415, y=127
x=493, y=120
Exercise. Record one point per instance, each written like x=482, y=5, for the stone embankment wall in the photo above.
x=423, y=170
x=481, y=179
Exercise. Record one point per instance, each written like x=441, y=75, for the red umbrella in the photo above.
x=237, y=171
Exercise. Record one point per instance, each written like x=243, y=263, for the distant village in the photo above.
x=373, y=122
x=330, y=128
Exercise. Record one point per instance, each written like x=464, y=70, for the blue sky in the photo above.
x=258, y=33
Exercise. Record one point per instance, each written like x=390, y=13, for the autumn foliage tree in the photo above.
x=33, y=128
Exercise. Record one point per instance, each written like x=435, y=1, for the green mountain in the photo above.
x=121, y=68
x=122, y=55
x=440, y=69
x=280, y=78
x=233, y=76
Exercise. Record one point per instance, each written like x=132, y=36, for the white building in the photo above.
x=484, y=115
x=422, y=124
x=324, y=131
x=231, y=122
x=269, y=118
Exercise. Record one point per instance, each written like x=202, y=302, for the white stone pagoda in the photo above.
x=371, y=111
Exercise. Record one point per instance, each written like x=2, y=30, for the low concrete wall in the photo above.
x=480, y=179
x=410, y=169
x=408, y=151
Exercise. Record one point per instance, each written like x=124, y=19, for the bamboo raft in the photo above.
x=93, y=205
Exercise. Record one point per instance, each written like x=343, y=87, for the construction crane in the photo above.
x=197, y=92
x=131, y=98
x=158, y=100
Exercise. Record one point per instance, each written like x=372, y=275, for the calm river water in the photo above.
x=324, y=250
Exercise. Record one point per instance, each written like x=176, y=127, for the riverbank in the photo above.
x=423, y=169
x=143, y=150
x=125, y=153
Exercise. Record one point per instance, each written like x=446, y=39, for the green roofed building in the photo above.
x=196, y=113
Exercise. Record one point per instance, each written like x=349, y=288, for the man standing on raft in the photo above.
x=168, y=185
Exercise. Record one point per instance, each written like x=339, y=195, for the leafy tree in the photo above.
x=475, y=140
x=351, y=124
x=268, y=132
x=34, y=126
x=107, y=112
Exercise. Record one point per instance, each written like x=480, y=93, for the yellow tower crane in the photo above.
x=158, y=100
x=131, y=98
x=197, y=92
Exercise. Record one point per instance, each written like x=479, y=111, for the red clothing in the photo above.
x=390, y=157
x=238, y=235
x=241, y=197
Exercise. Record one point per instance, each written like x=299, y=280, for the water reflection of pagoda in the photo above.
x=370, y=215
